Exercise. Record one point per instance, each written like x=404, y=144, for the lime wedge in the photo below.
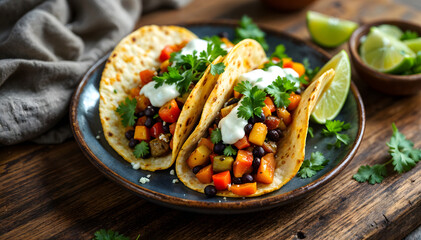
x=391, y=30
x=334, y=95
x=329, y=31
x=414, y=44
x=385, y=53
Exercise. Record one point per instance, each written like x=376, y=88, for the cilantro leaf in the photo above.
x=280, y=90
x=333, y=128
x=244, y=88
x=403, y=154
x=372, y=174
x=310, y=167
x=408, y=34
x=252, y=103
x=229, y=151
x=126, y=110
x=109, y=235
x=309, y=72
x=141, y=149
x=279, y=52
x=217, y=68
x=248, y=29
x=216, y=136
x=271, y=63
x=310, y=132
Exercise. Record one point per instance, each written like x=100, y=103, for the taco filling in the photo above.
x=239, y=151
x=162, y=93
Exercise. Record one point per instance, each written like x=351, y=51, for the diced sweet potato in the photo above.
x=242, y=163
x=244, y=189
x=205, y=142
x=272, y=122
x=142, y=102
x=266, y=111
x=141, y=133
x=226, y=110
x=269, y=104
x=295, y=100
x=205, y=174
x=267, y=169
x=284, y=115
x=258, y=134
x=199, y=156
x=242, y=143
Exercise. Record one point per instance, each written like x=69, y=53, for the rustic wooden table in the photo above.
x=52, y=191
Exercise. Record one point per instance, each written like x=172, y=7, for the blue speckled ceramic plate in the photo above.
x=87, y=130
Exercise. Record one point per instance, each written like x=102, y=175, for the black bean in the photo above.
x=273, y=135
x=166, y=127
x=232, y=101
x=223, y=35
x=248, y=128
x=247, y=178
x=149, y=122
x=150, y=111
x=140, y=114
x=260, y=118
x=251, y=120
x=219, y=148
x=256, y=164
x=197, y=169
x=236, y=180
x=133, y=143
x=210, y=191
x=258, y=151
x=129, y=134
x=281, y=134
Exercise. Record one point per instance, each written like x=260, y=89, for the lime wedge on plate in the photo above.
x=391, y=30
x=414, y=44
x=385, y=53
x=334, y=95
x=329, y=31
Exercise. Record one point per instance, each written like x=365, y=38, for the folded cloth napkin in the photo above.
x=45, y=48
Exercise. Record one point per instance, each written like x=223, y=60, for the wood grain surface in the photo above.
x=53, y=192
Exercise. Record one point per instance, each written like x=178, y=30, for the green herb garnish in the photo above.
x=333, y=128
x=404, y=158
x=126, y=110
x=141, y=149
x=229, y=151
x=311, y=166
x=281, y=89
x=309, y=72
x=310, y=132
x=253, y=101
x=248, y=29
x=109, y=235
x=408, y=35
x=216, y=136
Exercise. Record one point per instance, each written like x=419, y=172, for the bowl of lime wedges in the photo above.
x=387, y=55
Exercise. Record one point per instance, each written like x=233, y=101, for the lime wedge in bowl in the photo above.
x=391, y=30
x=414, y=44
x=385, y=53
x=334, y=95
x=329, y=31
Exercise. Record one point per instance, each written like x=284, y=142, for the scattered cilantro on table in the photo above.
x=310, y=132
x=229, y=151
x=253, y=100
x=126, y=110
x=248, y=29
x=216, y=136
x=141, y=149
x=333, y=128
x=309, y=72
x=408, y=34
x=280, y=90
x=311, y=166
x=109, y=235
x=404, y=158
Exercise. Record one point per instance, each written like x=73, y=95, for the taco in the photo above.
x=152, y=91
x=253, y=141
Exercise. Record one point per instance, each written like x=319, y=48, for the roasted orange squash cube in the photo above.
x=205, y=142
x=242, y=143
x=266, y=111
x=284, y=115
x=269, y=104
x=242, y=163
x=226, y=110
x=244, y=189
x=205, y=174
x=141, y=133
x=267, y=169
x=258, y=134
x=199, y=156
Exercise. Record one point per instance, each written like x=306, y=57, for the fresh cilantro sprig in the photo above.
x=126, y=110
x=333, y=128
x=309, y=72
x=141, y=149
x=408, y=34
x=108, y=235
x=253, y=101
x=248, y=29
x=404, y=158
x=311, y=166
x=280, y=90
x=279, y=52
x=229, y=151
x=216, y=136
x=310, y=132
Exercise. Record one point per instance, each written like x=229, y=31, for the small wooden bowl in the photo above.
x=283, y=5
x=386, y=83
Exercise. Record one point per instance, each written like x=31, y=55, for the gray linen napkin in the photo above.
x=45, y=48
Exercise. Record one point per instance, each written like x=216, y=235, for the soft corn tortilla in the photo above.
x=140, y=51
x=291, y=148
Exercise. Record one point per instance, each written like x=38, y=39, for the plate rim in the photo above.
x=252, y=204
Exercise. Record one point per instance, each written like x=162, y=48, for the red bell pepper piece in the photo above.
x=170, y=112
x=157, y=129
x=221, y=180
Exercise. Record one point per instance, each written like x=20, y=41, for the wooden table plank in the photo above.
x=52, y=191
